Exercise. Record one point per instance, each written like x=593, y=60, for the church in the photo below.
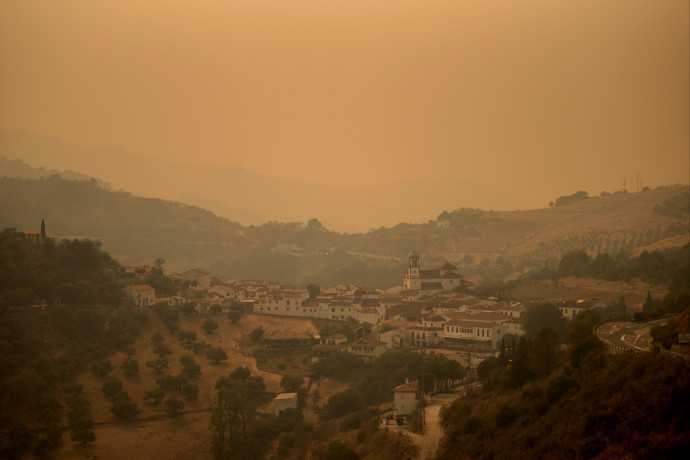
x=444, y=278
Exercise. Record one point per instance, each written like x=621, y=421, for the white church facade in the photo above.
x=444, y=278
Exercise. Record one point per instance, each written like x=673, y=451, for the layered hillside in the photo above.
x=131, y=228
x=619, y=222
x=138, y=230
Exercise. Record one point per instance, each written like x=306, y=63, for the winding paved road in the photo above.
x=628, y=336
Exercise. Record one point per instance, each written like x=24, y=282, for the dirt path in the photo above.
x=429, y=441
x=312, y=401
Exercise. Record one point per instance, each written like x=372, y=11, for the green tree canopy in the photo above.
x=216, y=355
x=539, y=316
x=209, y=326
x=291, y=383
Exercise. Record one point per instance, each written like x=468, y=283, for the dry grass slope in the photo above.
x=154, y=434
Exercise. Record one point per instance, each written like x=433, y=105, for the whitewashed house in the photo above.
x=284, y=401
x=406, y=397
x=143, y=295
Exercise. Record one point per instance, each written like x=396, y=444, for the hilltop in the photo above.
x=131, y=228
x=138, y=230
x=252, y=197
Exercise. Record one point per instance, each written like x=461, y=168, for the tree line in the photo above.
x=539, y=401
x=73, y=272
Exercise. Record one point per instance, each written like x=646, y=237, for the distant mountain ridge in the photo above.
x=252, y=198
x=20, y=170
x=138, y=230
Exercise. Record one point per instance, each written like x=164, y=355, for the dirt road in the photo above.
x=429, y=441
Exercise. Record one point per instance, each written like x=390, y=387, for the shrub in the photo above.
x=341, y=404
x=124, y=408
x=190, y=391
x=187, y=336
x=216, y=355
x=157, y=338
x=158, y=364
x=506, y=415
x=192, y=370
x=169, y=382
x=291, y=383
x=560, y=386
x=287, y=419
x=257, y=334
x=161, y=350
x=234, y=316
x=209, y=326
x=173, y=406
x=111, y=387
x=339, y=451
x=130, y=367
x=101, y=368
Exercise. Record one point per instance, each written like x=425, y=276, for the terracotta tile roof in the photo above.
x=286, y=335
x=448, y=266
x=340, y=303
x=292, y=295
x=431, y=285
x=370, y=303
x=468, y=323
x=369, y=340
x=330, y=346
x=478, y=317
x=412, y=387
x=405, y=310
x=142, y=287
x=337, y=336
x=435, y=318
x=435, y=274
x=455, y=304
x=391, y=299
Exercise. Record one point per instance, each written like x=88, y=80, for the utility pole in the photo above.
x=637, y=176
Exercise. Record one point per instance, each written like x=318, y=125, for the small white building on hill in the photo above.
x=143, y=295
x=284, y=401
x=406, y=397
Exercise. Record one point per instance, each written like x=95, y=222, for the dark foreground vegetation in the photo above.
x=373, y=383
x=41, y=351
x=240, y=432
x=586, y=403
x=40, y=356
x=73, y=272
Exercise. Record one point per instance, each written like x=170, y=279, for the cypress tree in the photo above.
x=43, y=229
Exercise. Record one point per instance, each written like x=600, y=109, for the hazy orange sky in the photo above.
x=539, y=97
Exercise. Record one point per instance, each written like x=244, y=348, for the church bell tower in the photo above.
x=412, y=279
